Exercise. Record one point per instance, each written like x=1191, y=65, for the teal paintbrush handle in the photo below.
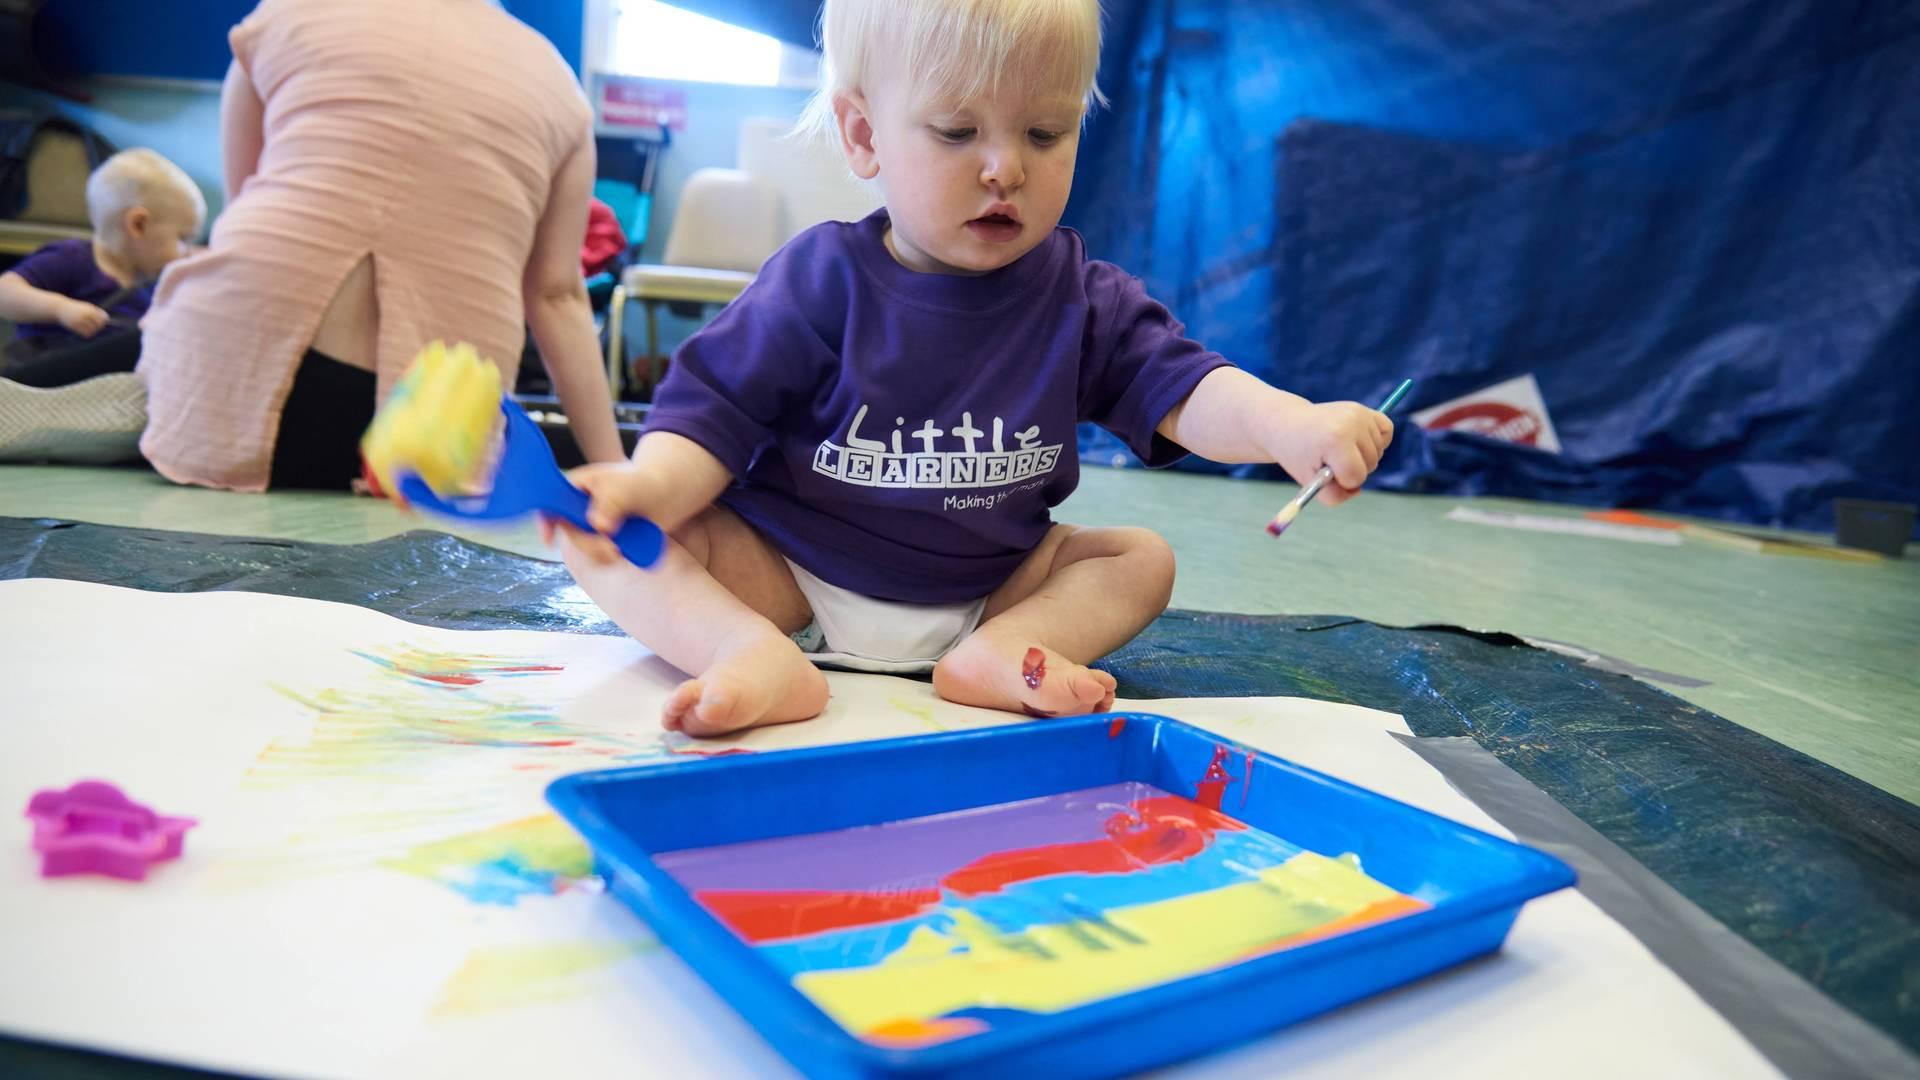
x=1394, y=398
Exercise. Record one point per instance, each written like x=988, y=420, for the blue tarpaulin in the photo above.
x=1697, y=225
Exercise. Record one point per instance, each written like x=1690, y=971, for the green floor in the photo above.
x=1822, y=655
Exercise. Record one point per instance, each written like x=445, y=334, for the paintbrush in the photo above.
x=1325, y=476
x=117, y=297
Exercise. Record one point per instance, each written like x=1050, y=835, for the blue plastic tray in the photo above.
x=1475, y=883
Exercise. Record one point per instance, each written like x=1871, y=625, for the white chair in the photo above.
x=725, y=227
x=730, y=220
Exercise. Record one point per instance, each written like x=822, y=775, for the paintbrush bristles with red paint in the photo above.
x=1292, y=510
x=1325, y=476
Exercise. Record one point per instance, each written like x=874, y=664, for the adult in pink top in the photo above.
x=395, y=173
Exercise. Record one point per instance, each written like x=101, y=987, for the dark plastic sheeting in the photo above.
x=1816, y=869
x=425, y=577
x=1695, y=223
x=1800, y=1030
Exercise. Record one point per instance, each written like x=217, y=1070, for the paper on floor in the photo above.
x=376, y=889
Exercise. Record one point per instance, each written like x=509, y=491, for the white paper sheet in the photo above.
x=319, y=925
x=1565, y=526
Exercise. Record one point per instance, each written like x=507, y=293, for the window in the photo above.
x=653, y=40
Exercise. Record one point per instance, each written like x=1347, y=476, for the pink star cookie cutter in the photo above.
x=93, y=828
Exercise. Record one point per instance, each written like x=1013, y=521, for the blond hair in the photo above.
x=141, y=177
x=960, y=48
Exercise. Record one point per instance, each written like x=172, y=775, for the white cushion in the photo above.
x=726, y=220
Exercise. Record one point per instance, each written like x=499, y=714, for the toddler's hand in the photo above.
x=82, y=319
x=1345, y=435
x=617, y=492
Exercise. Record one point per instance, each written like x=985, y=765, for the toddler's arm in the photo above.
x=670, y=480
x=730, y=387
x=1233, y=417
x=21, y=302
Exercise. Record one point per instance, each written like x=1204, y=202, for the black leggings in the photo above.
x=104, y=354
x=327, y=411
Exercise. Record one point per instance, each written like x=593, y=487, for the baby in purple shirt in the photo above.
x=857, y=459
x=145, y=209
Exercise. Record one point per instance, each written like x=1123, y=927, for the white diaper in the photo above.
x=860, y=633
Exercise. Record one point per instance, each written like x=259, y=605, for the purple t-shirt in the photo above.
x=904, y=435
x=67, y=267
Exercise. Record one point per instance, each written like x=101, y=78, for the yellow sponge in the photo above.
x=439, y=422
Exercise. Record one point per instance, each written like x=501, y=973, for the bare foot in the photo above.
x=766, y=681
x=993, y=670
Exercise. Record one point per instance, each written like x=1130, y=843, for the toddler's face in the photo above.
x=972, y=185
x=155, y=236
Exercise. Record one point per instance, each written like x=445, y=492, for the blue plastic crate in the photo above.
x=1473, y=882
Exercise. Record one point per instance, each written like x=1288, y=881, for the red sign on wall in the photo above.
x=638, y=105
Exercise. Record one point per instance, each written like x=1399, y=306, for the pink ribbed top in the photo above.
x=425, y=134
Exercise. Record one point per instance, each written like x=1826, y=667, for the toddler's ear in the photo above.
x=855, y=128
x=136, y=221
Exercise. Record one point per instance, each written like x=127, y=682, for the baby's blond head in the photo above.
x=140, y=177
x=144, y=208
x=956, y=50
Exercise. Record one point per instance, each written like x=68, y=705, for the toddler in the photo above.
x=71, y=292
x=857, y=459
